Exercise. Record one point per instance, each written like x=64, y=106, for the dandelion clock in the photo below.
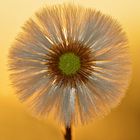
x=71, y=62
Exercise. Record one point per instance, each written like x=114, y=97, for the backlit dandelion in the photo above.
x=72, y=62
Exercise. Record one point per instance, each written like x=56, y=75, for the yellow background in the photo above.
x=123, y=123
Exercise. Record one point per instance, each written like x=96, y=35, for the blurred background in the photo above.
x=123, y=123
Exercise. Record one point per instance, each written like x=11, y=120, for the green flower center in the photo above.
x=69, y=63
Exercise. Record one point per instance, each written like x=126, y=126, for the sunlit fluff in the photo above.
x=99, y=84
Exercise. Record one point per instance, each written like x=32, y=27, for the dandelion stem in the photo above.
x=68, y=135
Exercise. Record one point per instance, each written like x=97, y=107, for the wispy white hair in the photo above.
x=59, y=24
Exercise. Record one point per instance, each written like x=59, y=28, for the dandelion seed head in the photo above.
x=72, y=62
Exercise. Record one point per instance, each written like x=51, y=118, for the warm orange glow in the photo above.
x=123, y=123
